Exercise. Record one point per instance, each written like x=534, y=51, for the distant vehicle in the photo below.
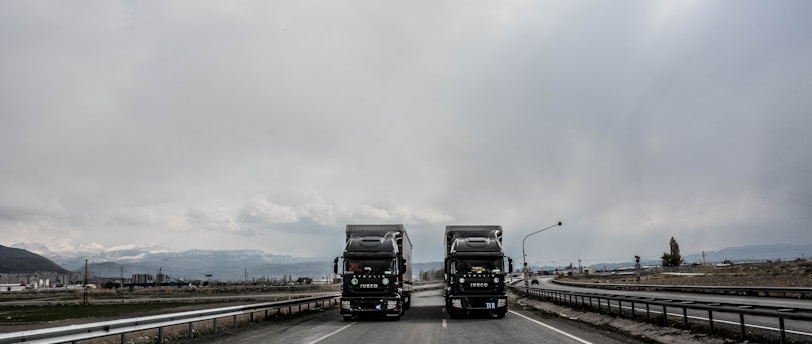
x=376, y=270
x=475, y=271
x=534, y=281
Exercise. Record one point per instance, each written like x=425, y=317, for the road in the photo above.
x=425, y=322
x=802, y=328
x=547, y=283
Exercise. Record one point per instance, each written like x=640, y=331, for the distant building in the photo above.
x=143, y=278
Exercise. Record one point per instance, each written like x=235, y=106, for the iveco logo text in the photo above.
x=479, y=285
x=369, y=285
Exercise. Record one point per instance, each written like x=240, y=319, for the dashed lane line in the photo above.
x=551, y=328
x=330, y=334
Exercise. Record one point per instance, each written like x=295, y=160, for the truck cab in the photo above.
x=475, y=272
x=374, y=269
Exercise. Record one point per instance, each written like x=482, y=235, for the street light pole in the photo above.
x=524, y=255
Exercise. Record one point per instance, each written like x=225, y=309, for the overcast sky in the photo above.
x=272, y=124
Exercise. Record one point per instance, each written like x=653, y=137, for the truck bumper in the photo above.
x=470, y=304
x=387, y=306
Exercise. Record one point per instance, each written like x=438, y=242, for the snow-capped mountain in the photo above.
x=93, y=252
x=33, y=247
x=150, y=258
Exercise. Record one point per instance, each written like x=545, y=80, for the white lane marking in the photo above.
x=444, y=324
x=552, y=328
x=330, y=334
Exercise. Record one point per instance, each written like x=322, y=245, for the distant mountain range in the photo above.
x=234, y=265
x=753, y=253
x=238, y=265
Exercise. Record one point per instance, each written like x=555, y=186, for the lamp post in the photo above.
x=524, y=255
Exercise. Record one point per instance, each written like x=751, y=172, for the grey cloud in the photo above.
x=258, y=125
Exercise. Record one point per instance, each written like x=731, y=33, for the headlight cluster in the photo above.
x=391, y=304
x=456, y=303
x=345, y=304
x=501, y=303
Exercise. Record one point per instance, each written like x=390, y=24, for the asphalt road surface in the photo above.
x=425, y=322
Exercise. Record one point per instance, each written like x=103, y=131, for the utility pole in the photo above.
x=85, y=284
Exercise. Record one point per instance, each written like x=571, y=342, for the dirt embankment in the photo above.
x=779, y=275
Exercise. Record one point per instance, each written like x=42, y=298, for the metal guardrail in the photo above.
x=74, y=333
x=727, y=290
x=601, y=300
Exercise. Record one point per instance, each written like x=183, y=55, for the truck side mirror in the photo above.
x=510, y=264
x=335, y=266
x=402, y=266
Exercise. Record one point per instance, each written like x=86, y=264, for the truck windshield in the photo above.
x=477, y=266
x=370, y=266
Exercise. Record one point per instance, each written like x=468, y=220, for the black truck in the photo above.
x=475, y=271
x=376, y=271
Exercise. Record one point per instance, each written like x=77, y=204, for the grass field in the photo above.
x=34, y=314
x=25, y=310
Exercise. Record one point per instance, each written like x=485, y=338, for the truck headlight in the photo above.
x=345, y=304
x=456, y=303
x=501, y=303
x=385, y=281
x=391, y=304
